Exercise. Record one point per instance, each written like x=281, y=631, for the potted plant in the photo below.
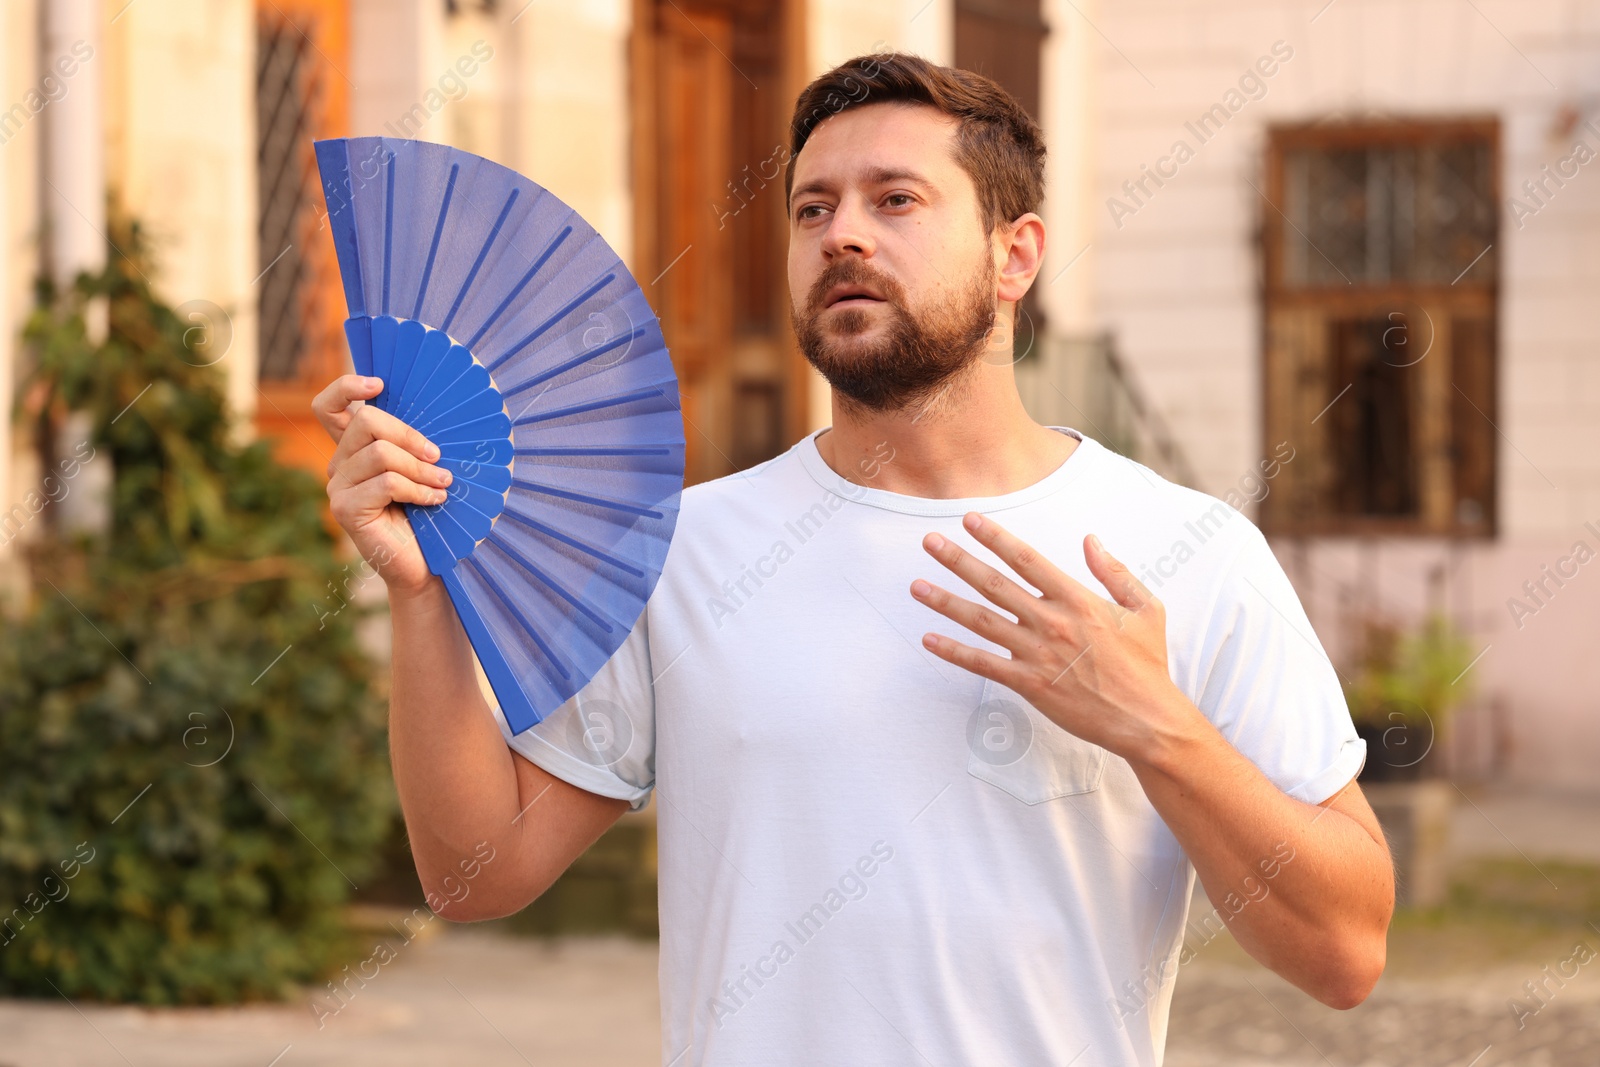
x=1404, y=689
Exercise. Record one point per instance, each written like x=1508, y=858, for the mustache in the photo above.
x=853, y=272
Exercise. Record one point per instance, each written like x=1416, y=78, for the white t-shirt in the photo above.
x=871, y=856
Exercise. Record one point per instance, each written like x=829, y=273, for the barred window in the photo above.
x=1381, y=274
x=288, y=99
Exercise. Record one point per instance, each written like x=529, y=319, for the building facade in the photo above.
x=1366, y=236
x=1354, y=247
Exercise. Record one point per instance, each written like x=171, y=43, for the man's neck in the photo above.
x=973, y=439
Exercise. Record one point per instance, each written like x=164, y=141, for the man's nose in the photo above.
x=850, y=229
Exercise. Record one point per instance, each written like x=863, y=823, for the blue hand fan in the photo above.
x=510, y=334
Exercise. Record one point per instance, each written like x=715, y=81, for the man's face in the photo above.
x=892, y=280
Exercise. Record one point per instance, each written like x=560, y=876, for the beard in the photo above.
x=915, y=356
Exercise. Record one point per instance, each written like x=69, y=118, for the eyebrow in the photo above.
x=874, y=176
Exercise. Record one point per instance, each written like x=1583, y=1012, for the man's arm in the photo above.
x=1099, y=670
x=1306, y=889
x=460, y=785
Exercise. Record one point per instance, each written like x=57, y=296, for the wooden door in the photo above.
x=1004, y=40
x=713, y=83
x=693, y=294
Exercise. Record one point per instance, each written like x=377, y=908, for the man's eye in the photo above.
x=805, y=212
x=898, y=196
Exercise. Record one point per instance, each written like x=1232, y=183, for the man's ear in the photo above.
x=1022, y=245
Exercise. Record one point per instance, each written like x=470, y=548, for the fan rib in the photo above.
x=459, y=502
x=428, y=396
x=579, y=450
x=404, y=387
x=388, y=228
x=467, y=477
x=434, y=418
x=593, y=405
x=508, y=690
x=526, y=278
x=582, y=498
x=438, y=232
x=459, y=494
x=385, y=335
x=478, y=441
x=516, y=613
x=576, y=361
x=444, y=513
x=430, y=540
x=483, y=254
x=581, y=546
x=504, y=546
x=553, y=319
x=419, y=393
x=339, y=194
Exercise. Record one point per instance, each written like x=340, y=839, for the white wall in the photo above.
x=570, y=87
x=1068, y=86
x=1177, y=282
x=180, y=121
x=392, y=54
x=550, y=100
x=836, y=30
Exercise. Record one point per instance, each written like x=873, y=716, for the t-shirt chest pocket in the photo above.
x=1012, y=745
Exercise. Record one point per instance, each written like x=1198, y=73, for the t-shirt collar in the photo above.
x=1082, y=457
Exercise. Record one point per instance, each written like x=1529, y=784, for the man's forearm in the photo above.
x=456, y=778
x=1319, y=919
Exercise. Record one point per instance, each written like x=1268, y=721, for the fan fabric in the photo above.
x=509, y=333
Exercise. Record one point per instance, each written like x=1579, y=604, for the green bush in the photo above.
x=189, y=649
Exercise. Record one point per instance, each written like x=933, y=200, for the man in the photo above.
x=931, y=804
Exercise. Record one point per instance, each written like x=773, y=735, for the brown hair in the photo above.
x=998, y=144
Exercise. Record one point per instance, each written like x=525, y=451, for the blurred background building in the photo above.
x=1358, y=239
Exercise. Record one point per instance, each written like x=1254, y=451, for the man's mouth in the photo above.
x=851, y=296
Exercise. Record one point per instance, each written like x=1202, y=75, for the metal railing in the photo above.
x=1080, y=381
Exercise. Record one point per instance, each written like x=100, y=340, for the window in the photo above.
x=1381, y=274
x=301, y=94
x=287, y=96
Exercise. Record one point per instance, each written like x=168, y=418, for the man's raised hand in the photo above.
x=379, y=463
x=1095, y=667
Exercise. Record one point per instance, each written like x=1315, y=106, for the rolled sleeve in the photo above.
x=603, y=739
x=1271, y=689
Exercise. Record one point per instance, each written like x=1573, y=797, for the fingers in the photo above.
x=381, y=456
x=1119, y=581
x=1029, y=565
x=975, y=617
x=996, y=587
x=984, y=664
x=379, y=461
x=354, y=505
x=369, y=425
x=332, y=406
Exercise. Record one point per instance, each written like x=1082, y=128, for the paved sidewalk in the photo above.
x=473, y=995
x=1224, y=1016
x=465, y=996
x=1514, y=820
